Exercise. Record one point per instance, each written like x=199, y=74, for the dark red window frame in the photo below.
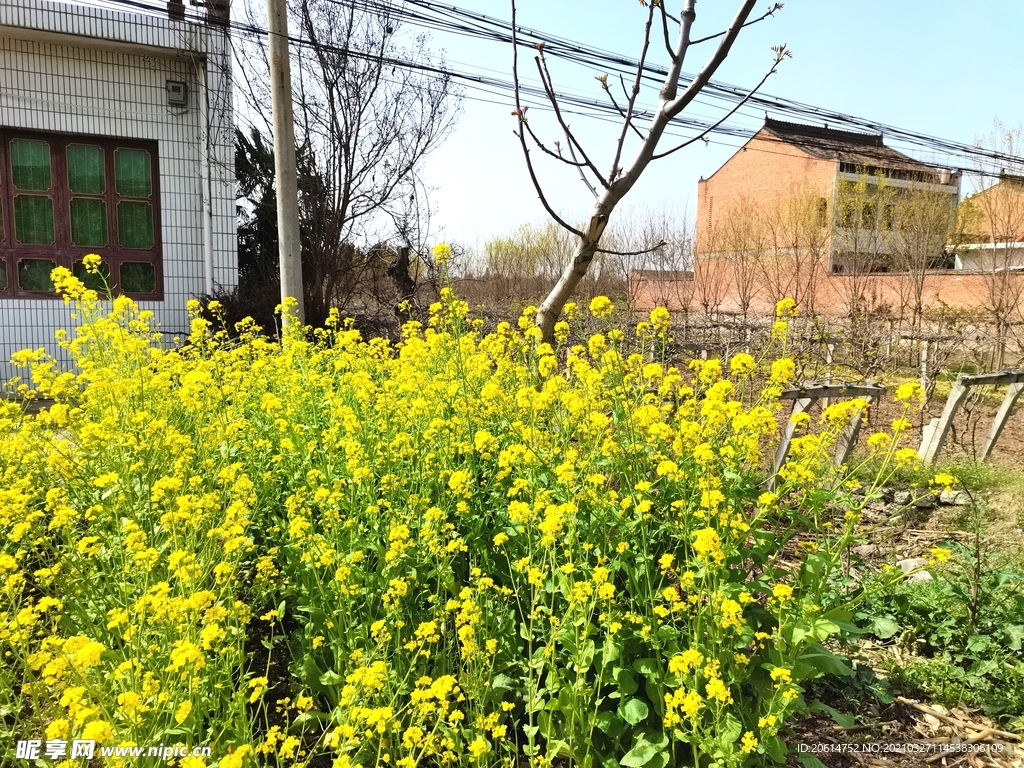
x=62, y=251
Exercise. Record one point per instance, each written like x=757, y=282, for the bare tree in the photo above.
x=861, y=244
x=711, y=277
x=745, y=243
x=663, y=268
x=795, y=251
x=922, y=222
x=996, y=215
x=363, y=126
x=609, y=188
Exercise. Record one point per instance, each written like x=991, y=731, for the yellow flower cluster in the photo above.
x=465, y=536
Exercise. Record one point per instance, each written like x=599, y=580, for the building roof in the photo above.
x=866, y=150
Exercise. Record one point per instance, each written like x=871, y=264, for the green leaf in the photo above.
x=824, y=661
x=822, y=629
x=558, y=748
x=647, y=666
x=655, y=694
x=308, y=717
x=584, y=656
x=846, y=721
x=610, y=724
x=1015, y=636
x=979, y=643
x=311, y=674
x=667, y=634
x=776, y=749
x=502, y=683
x=837, y=615
x=729, y=729
x=646, y=745
x=625, y=680
x=330, y=677
x=814, y=566
x=883, y=627
x=634, y=711
x=611, y=650
x=807, y=760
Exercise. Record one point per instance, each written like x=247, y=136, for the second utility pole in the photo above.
x=289, y=245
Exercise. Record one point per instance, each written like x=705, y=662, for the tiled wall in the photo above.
x=89, y=85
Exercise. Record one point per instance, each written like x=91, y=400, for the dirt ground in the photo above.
x=912, y=733
x=906, y=736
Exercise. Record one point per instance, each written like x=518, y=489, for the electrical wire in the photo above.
x=430, y=15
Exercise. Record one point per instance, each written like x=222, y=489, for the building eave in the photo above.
x=79, y=26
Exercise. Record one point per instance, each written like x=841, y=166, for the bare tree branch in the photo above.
x=701, y=78
x=780, y=54
x=622, y=179
x=770, y=12
x=521, y=114
x=363, y=130
x=664, y=28
x=613, y=174
x=641, y=252
x=543, y=148
x=611, y=97
x=583, y=175
x=545, y=78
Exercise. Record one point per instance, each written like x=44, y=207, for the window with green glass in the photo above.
x=135, y=224
x=30, y=164
x=65, y=196
x=86, y=174
x=33, y=219
x=34, y=275
x=95, y=281
x=132, y=173
x=88, y=222
x=137, y=277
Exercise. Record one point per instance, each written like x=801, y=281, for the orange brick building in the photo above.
x=993, y=236
x=786, y=162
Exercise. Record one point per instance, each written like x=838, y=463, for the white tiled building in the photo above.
x=117, y=139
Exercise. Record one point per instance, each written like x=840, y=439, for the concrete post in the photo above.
x=1000, y=420
x=290, y=248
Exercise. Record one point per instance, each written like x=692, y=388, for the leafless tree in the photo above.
x=610, y=187
x=995, y=215
x=796, y=236
x=745, y=243
x=665, y=273
x=862, y=244
x=364, y=123
x=711, y=278
x=922, y=223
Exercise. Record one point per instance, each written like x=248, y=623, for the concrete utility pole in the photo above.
x=290, y=248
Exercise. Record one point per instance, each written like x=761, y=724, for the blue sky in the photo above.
x=934, y=67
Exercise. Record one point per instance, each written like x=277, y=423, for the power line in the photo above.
x=481, y=25
x=451, y=19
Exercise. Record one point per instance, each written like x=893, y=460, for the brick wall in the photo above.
x=763, y=174
x=833, y=294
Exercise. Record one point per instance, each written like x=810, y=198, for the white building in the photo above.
x=117, y=140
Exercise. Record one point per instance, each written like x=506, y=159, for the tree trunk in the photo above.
x=586, y=249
